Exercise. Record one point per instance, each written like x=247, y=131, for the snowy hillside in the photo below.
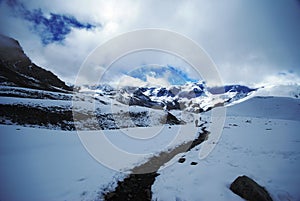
x=292, y=91
x=83, y=111
x=44, y=164
x=260, y=139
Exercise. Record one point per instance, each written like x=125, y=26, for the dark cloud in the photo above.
x=53, y=28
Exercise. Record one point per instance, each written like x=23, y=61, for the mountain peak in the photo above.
x=10, y=49
x=18, y=70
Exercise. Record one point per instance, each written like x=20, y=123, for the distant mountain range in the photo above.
x=192, y=97
x=31, y=95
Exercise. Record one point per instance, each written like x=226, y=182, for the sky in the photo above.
x=251, y=42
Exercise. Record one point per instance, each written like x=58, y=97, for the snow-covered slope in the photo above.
x=267, y=107
x=43, y=164
x=260, y=139
x=292, y=91
x=87, y=110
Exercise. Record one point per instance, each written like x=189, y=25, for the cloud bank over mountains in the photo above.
x=251, y=42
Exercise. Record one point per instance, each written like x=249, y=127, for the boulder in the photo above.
x=248, y=189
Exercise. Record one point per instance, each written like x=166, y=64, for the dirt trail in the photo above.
x=137, y=186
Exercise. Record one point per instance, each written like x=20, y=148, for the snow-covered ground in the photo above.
x=35, y=102
x=42, y=164
x=260, y=139
x=33, y=93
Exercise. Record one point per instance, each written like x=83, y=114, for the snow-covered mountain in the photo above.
x=292, y=90
x=192, y=97
x=103, y=107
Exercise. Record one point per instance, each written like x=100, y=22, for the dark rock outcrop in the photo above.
x=249, y=189
x=171, y=120
x=138, y=98
x=45, y=117
x=18, y=70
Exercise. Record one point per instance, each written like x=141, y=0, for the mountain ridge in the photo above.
x=192, y=97
x=19, y=71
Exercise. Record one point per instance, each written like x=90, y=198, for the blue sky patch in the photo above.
x=53, y=28
x=171, y=74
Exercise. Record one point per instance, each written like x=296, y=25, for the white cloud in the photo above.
x=159, y=82
x=282, y=78
x=126, y=80
x=151, y=81
x=248, y=41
